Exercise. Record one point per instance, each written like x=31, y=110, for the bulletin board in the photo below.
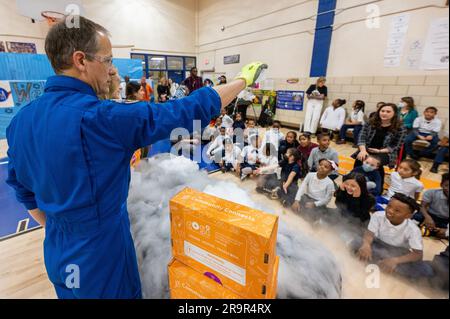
x=290, y=100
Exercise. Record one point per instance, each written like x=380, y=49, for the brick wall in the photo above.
x=426, y=91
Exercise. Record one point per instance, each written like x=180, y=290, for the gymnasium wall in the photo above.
x=356, y=64
x=161, y=26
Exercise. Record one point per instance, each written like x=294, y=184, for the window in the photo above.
x=175, y=63
x=190, y=63
x=157, y=63
x=158, y=66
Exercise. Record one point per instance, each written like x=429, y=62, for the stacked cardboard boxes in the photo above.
x=221, y=249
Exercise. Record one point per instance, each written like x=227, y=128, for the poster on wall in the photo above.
x=232, y=59
x=414, y=57
x=23, y=92
x=264, y=96
x=2, y=46
x=396, y=40
x=6, y=99
x=21, y=47
x=265, y=102
x=436, y=52
x=290, y=100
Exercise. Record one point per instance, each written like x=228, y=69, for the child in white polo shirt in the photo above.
x=394, y=242
x=316, y=191
x=273, y=135
x=425, y=128
x=230, y=156
x=249, y=158
x=405, y=181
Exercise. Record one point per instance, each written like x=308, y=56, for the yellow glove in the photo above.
x=251, y=72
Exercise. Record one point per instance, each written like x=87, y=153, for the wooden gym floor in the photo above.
x=22, y=271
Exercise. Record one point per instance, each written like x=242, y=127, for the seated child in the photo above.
x=227, y=121
x=238, y=130
x=289, y=142
x=333, y=118
x=285, y=187
x=212, y=130
x=238, y=122
x=267, y=172
x=370, y=171
x=305, y=147
x=434, y=211
x=426, y=128
x=440, y=267
x=441, y=153
x=355, y=121
x=250, y=129
x=215, y=148
x=249, y=158
x=290, y=174
x=230, y=156
x=353, y=199
x=316, y=191
x=187, y=146
x=393, y=241
x=324, y=151
x=405, y=181
x=273, y=135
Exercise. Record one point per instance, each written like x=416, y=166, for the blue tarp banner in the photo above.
x=22, y=66
x=131, y=67
x=23, y=76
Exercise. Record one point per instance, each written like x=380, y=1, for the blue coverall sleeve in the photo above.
x=140, y=124
x=23, y=195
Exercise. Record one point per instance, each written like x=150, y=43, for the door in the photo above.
x=176, y=76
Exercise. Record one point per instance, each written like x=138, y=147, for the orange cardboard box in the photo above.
x=186, y=283
x=230, y=242
x=273, y=289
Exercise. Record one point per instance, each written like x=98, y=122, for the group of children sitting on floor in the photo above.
x=392, y=237
x=423, y=128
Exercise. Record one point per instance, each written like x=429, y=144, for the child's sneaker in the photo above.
x=243, y=176
x=425, y=231
x=260, y=190
x=274, y=193
x=285, y=203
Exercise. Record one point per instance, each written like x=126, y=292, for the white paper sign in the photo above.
x=396, y=40
x=6, y=99
x=414, y=58
x=436, y=52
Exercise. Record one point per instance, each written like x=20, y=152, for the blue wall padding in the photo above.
x=322, y=38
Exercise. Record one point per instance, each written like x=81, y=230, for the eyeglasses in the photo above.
x=105, y=59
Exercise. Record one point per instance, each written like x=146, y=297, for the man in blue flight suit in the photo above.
x=69, y=156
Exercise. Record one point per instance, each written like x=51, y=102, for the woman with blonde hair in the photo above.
x=316, y=94
x=163, y=90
